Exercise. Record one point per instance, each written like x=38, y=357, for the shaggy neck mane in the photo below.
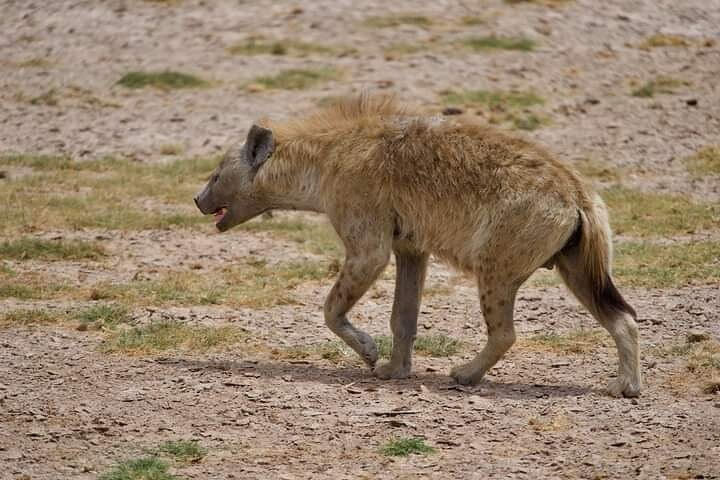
x=322, y=126
x=302, y=145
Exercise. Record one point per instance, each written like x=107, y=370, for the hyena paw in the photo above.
x=624, y=387
x=467, y=374
x=389, y=370
x=368, y=352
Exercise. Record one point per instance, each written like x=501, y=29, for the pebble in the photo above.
x=697, y=336
x=452, y=111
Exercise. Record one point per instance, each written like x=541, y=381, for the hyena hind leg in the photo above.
x=611, y=310
x=409, y=280
x=497, y=305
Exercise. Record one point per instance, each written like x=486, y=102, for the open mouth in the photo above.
x=219, y=214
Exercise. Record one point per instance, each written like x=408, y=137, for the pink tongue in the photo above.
x=219, y=214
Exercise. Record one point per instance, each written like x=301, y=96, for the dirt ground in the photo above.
x=70, y=410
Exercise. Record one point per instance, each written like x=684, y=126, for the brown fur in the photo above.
x=495, y=206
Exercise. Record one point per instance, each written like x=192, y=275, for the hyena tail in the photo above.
x=584, y=265
x=585, y=262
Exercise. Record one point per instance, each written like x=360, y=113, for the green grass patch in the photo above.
x=161, y=336
x=404, y=446
x=147, y=468
x=480, y=44
x=33, y=316
x=665, y=40
x=573, y=342
x=658, y=86
x=49, y=99
x=436, y=345
x=253, y=284
x=104, y=316
x=185, y=451
x=39, y=162
x=437, y=290
x=30, y=286
x=337, y=351
x=38, y=248
x=700, y=355
x=401, y=49
x=318, y=238
x=704, y=162
x=165, y=80
x=597, y=169
x=259, y=45
x=527, y=122
x=384, y=345
x=509, y=107
x=643, y=214
x=394, y=21
x=297, y=78
x=171, y=149
x=493, y=99
x=428, y=345
x=672, y=265
x=107, y=193
x=36, y=62
x=472, y=20
x=702, y=365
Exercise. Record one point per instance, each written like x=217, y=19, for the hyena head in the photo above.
x=231, y=194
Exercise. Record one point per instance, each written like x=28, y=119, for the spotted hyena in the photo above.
x=390, y=180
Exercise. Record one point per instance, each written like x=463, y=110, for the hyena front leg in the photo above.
x=361, y=269
x=409, y=280
x=497, y=306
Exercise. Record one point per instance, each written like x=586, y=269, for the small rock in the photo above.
x=697, y=336
x=691, y=102
x=3, y=174
x=452, y=111
x=559, y=364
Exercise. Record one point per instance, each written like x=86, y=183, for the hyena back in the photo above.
x=390, y=180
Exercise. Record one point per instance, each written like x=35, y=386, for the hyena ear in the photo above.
x=259, y=145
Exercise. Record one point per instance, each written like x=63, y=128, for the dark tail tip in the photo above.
x=609, y=299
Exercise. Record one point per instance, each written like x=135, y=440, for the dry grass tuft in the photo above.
x=41, y=249
x=165, y=80
x=394, y=21
x=162, y=336
x=665, y=40
x=576, y=341
x=704, y=162
x=260, y=45
x=296, y=79
x=644, y=214
x=480, y=44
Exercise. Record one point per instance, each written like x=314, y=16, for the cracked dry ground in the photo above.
x=125, y=322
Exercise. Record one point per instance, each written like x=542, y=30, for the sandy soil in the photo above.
x=67, y=410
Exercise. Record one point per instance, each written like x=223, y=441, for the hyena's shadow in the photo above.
x=360, y=380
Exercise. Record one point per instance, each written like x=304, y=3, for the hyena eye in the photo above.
x=214, y=177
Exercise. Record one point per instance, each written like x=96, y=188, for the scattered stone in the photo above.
x=452, y=111
x=691, y=102
x=560, y=364
x=3, y=174
x=697, y=336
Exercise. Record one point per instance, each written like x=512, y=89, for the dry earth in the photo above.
x=266, y=406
